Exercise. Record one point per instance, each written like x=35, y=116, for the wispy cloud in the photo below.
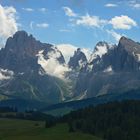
x=134, y=4
x=111, y=5
x=114, y=34
x=65, y=30
x=137, y=5
x=43, y=9
x=84, y=20
x=28, y=9
x=31, y=24
x=122, y=22
x=42, y=25
x=90, y=21
x=69, y=12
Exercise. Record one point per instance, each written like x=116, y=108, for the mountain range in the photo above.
x=37, y=72
x=111, y=69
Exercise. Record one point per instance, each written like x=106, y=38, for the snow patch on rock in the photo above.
x=100, y=50
x=6, y=74
x=138, y=57
x=82, y=63
x=108, y=69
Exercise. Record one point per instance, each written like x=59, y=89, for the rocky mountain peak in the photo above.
x=78, y=51
x=21, y=34
x=101, y=49
x=21, y=53
x=125, y=40
x=111, y=69
x=27, y=65
x=129, y=45
x=23, y=44
x=102, y=43
x=77, y=60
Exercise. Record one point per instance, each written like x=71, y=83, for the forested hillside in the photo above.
x=112, y=121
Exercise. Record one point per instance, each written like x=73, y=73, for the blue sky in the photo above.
x=81, y=23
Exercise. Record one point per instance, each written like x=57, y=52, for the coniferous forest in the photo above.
x=111, y=121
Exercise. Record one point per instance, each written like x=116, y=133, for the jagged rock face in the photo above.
x=114, y=69
x=20, y=71
x=78, y=60
x=128, y=53
x=20, y=53
x=123, y=58
x=96, y=60
x=27, y=70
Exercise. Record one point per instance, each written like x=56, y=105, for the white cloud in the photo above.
x=137, y=5
x=111, y=5
x=69, y=12
x=118, y=22
x=42, y=25
x=8, y=23
x=64, y=30
x=134, y=4
x=68, y=51
x=28, y=9
x=52, y=65
x=87, y=52
x=90, y=21
x=31, y=25
x=43, y=10
x=122, y=22
x=114, y=34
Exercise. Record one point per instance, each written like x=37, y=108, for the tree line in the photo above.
x=111, y=121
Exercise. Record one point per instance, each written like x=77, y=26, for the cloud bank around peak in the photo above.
x=69, y=49
x=51, y=65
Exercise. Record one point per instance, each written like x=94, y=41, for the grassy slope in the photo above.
x=27, y=130
x=59, y=111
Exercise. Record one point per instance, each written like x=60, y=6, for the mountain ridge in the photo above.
x=29, y=78
x=118, y=69
x=31, y=70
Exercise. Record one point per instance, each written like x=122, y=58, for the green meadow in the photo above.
x=13, y=129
